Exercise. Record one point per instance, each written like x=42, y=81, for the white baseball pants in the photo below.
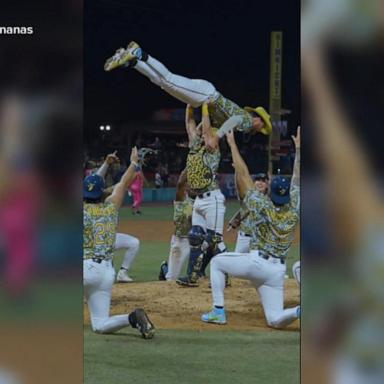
x=208, y=212
x=131, y=244
x=267, y=276
x=189, y=91
x=242, y=242
x=178, y=254
x=98, y=280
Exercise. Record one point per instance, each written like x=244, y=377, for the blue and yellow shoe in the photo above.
x=216, y=316
x=123, y=57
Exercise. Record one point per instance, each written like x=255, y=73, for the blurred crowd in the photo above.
x=162, y=169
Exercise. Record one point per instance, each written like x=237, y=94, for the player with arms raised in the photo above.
x=100, y=225
x=277, y=217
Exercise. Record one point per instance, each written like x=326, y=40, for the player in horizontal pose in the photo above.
x=182, y=218
x=224, y=113
x=124, y=241
x=264, y=265
x=242, y=220
x=100, y=224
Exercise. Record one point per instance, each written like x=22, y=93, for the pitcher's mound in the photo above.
x=170, y=306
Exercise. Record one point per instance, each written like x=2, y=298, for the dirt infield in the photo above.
x=174, y=307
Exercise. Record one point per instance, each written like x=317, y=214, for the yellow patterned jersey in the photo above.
x=202, y=166
x=182, y=216
x=222, y=109
x=273, y=227
x=99, y=230
x=246, y=224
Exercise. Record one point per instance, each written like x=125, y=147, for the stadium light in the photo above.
x=107, y=127
x=101, y=127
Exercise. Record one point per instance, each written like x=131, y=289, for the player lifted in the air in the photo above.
x=224, y=113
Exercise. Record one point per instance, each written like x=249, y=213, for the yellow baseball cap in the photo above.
x=267, y=129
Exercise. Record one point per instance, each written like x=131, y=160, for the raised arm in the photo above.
x=341, y=151
x=109, y=160
x=181, y=186
x=295, y=181
x=190, y=123
x=120, y=188
x=211, y=139
x=243, y=179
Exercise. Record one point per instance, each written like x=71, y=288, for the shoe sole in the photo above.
x=185, y=284
x=144, y=325
x=126, y=58
x=214, y=322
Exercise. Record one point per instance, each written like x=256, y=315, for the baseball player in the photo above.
x=123, y=241
x=182, y=218
x=224, y=113
x=242, y=220
x=271, y=239
x=206, y=233
x=100, y=224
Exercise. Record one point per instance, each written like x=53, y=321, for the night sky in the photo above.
x=226, y=43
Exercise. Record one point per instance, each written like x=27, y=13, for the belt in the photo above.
x=98, y=259
x=245, y=234
x=266, y=257
x=204, y=195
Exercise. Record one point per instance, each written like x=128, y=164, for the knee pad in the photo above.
x=196, y=236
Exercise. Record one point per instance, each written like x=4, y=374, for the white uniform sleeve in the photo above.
x=229, y=125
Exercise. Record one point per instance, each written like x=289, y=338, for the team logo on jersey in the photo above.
x=90, y=187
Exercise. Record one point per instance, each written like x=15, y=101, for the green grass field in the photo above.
x=217, y=356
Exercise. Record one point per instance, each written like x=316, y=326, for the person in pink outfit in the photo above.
x=136, y=189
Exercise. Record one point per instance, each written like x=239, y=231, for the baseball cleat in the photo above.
x=123, y=57
x=216, y=316
x=122, y=277
x=143, y=324
x=187, y=281
x=117, y=60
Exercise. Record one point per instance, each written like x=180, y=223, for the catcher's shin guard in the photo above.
x=193, y=271
x=215, y=246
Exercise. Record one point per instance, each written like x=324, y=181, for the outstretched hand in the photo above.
x=296, y=139
x=134, y=156
x=111, y=158
x=230, y=138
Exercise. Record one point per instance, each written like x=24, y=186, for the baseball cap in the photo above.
x=93, y=186
x=263, y=114
x=261, y=176
x=280, y=190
